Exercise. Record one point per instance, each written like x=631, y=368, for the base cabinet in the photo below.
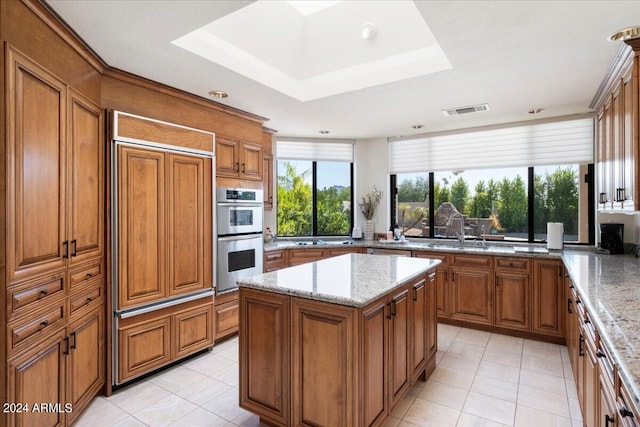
x=548, y=297
x=370, y=356
x=226, y=315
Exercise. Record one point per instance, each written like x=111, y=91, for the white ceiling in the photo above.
x=514, y=55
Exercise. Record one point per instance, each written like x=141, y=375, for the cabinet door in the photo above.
x=617, y=147
x=432, y=317
x=38, y=376
x=227, y=157
x=590, y=392
x=143, y=346
x=472, y=296
x=512, y=300
x=322, y=387
x=419, y=325
x=193, y=330
x=36, y=169
x=630, y=131
x=442, y=292
x=186, y=215
x=267, y=179
x=86, y=366
x=607, y=412
x=573, y=331
x=548, y=301
x=86, y=146
x=141, y=226
x=374, y=355
x=399, y=341
x=265, y=317
x=251, y=161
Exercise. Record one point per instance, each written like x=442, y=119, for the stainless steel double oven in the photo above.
x=240, y=241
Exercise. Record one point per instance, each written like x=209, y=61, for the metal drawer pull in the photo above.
x=73, y=246
x=66, y=345
x=44, y=323
x=65, y=246
x=624, y=412
x=608, y=419
x=600, y=353
x=73, y=334
x=44, y=292
x=89, y=276
x=89, y=299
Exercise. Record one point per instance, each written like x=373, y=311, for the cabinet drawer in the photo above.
x=274, y=260
x=29, y=330
x=301, y=256
x=432, y=255
x=30, y=296
x=472, y=261
x=85, y=274
x=513, y=264
x=227, y=318
x=89, y=297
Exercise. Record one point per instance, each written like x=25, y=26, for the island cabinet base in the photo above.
x=305, y=362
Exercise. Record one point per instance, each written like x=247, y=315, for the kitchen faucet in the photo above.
x=460, y=234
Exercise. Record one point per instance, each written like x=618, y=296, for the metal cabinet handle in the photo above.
x=44, y=323
x=88, y=300
x=393, y=308
x=580, y=345
x=569, y=309
x=74, y=243
x=389, y=307
x=624, y=412
x=73, y=346
x=607, y=420
x=600, y=353
x=44, y=292
x=65, y=247
x=244, y=169
x=237, y=168
x=66, y=345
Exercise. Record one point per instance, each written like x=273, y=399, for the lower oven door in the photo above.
x=238, y=257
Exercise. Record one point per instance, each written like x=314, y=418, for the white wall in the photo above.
x=371, y=167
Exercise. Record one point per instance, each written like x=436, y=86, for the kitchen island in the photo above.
x=337, y=342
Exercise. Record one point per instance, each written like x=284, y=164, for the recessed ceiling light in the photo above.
x=417, y=126
x=537, y=110
x=369, y=31
x=218, y=94
x=324, y=132
x=625, y=34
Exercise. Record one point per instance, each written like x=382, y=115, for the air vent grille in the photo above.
x=465, y=110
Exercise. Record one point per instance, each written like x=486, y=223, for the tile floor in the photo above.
x=481, y=380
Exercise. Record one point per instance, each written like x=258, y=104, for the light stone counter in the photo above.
x=352, y=279
x=609, y=286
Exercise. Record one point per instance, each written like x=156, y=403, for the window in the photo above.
x=500, y=203
x=314, y=198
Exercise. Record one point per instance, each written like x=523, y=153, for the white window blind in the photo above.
x=561, y=142
x=309, y=149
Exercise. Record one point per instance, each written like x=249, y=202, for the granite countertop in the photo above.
x=426, y=245
x=609, y=286
x=351, y=279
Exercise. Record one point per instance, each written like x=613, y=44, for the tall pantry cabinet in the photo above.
x=55, y=244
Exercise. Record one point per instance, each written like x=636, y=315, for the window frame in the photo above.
x=314, y=200
x=589, y=179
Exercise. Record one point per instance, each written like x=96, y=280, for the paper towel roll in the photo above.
x=555, y=235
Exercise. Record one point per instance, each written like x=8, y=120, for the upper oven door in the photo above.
x=235, y=218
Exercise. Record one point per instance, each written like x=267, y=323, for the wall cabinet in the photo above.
x=239, y=159
x=617, y=130
x=267, y=180
x=55, y=136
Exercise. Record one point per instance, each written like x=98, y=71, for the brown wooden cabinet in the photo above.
x=548, y=297
x=399, y=344
x=226, y=315
x=512, y=293
x=302, y=256
x=55, y=136
x=239, y=159
x=162, y=217
x=275, y=260
x=472, y=289
x=267, y=180
x=424, y=326
x=443, y=305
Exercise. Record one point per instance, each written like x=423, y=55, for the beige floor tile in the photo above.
x=99, y=413
x=509, y=359
x=391, y=422
x=495, y=388
x=439, y=355
x=177, y=378
x=574, y=409
x=138, y=396
x=165, y=411
x=130, y=421
x=200, y=418
x=408, y=424
x=445, y=395
x=542, y=350
x=470, y=420
x=505, y=344
x=416, y=388
x=429, y=414
x=544, y=382
x=463, y=349
x=543, y=400
x=493, y=409
x=498, y=371
x=204, y=390
x=452, y=377
x=570, y=386
x=472, y=336
x=230, y=353
x=228, y=375
x=567, y=370
x=225, y=405
x=529, y=417
x=209, y=364
x=247, y=420
x=459, y=362
x=543, y=366
x=401, y=408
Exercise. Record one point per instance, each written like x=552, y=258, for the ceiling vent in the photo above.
x=465, y=110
